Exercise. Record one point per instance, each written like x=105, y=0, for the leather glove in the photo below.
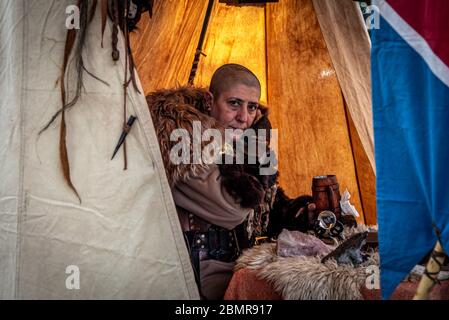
x=291, y=214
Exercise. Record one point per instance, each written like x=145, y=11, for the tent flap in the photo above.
x=123, y=240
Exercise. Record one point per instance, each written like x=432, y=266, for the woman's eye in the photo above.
x=252, y=107
x=234, y=103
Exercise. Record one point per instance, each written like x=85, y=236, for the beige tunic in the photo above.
x=205, y=197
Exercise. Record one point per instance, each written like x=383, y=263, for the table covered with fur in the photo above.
x=265, y=273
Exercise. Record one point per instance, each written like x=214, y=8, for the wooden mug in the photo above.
x=326, y=194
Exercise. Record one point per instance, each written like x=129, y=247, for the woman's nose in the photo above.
x=242, y=116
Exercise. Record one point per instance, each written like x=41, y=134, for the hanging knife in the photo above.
x=125, y=132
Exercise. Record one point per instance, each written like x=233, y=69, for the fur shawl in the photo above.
x=177, y=109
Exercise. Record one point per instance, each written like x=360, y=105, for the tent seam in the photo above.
x=21, y=197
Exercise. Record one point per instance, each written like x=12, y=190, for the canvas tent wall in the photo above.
x=312, y=58
x=124, y=238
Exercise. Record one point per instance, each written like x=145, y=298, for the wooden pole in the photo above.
x=429, y=278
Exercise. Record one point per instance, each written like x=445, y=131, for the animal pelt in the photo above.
x=306, y=278
x=177, y=109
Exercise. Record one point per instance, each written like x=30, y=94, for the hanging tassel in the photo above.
x=72, y=34
x=115, y=26
x=70, y=41
x=125, y=82
x=64, y=157
x=104, y=18
x=92, y=10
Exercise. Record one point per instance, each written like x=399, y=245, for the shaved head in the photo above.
x=234, y=94
x=229, y=75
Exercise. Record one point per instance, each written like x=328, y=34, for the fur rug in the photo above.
x=306, y=278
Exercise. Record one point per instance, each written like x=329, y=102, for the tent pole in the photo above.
x=199, y=49
x=430, y=276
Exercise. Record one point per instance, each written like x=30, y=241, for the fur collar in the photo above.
x=178, y=108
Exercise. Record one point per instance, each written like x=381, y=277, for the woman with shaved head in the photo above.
x=223, y=208
x=235, y=94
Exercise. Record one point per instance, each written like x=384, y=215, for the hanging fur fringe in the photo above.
x=87, y=10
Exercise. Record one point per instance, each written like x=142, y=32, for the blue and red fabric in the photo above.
x=410, y=89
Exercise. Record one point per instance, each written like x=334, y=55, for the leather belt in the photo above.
x=217, y=243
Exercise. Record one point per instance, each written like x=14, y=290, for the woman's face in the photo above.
x=237, y=107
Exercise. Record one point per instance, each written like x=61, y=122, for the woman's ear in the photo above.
x=209, y=100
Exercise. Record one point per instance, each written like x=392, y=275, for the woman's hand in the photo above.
x=309, y=210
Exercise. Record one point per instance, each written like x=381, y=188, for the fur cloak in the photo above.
x=177, y=109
